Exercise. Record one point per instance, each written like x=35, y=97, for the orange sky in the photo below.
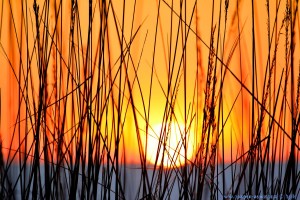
x=146, y=15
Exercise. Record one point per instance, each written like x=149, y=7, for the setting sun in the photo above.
x=168, y=139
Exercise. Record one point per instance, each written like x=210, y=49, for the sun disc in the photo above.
x=166, y=145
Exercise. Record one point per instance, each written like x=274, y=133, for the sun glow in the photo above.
x=169, y=144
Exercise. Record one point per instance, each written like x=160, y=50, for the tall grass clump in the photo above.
x=149, y=99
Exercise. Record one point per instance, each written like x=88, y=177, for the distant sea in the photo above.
x=134, y=173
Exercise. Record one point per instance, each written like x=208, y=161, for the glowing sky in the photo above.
x=239, y=20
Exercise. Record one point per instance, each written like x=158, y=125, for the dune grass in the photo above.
x=83, y=84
